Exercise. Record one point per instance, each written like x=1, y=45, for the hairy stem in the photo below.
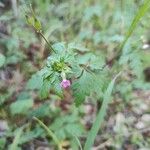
x=50, y=46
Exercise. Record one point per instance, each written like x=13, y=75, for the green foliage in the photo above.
x=133, y=59
x=5, y=96
x=142, y=11
x=21, y=106
x=14, y=145
x=100, y=116
x=44, y=91
x=50, y=133
x=79, y=38
x=68, y=126
x=35, y=82
x=87, y=84
x=66, y=60
x=2, y=143
x=30, y=135
x=41, y=111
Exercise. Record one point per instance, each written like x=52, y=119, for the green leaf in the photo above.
x=23, y=95
x=2, y=60
x=32, y=84
x=37, y=24
x=44, y=91
x=68, y=126
x=77, y=46
x=21, y=106
x=59, y=47
x=95, y=61
x=30, y=20
x=41, y=111
x=56, y=87
x=100, y=116
x=62, y=121
x=88, y=83
x=30, y=135
x=81, y=88
x=74, y=129
x=136, y=64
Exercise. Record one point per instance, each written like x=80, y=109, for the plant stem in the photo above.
x=40, y=31
x=50, y=133
x=50, y=46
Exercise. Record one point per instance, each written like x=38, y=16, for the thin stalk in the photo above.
x=40, y=32
x=50, y=133
x=50, y=46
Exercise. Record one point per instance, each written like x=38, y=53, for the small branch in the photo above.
x=37, y=27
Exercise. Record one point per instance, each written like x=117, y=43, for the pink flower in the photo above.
x=65, y=83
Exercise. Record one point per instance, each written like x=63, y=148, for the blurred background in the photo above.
x=97, y=25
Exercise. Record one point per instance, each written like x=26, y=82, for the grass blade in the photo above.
x=141, y=12
x=78, y=141
x=100, y=117
x=50, y=133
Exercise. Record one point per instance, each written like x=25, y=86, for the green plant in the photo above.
x=62, y=65
x=65, y=63
x=78, y=71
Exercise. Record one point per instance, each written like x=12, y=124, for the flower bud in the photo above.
x=65, y=83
